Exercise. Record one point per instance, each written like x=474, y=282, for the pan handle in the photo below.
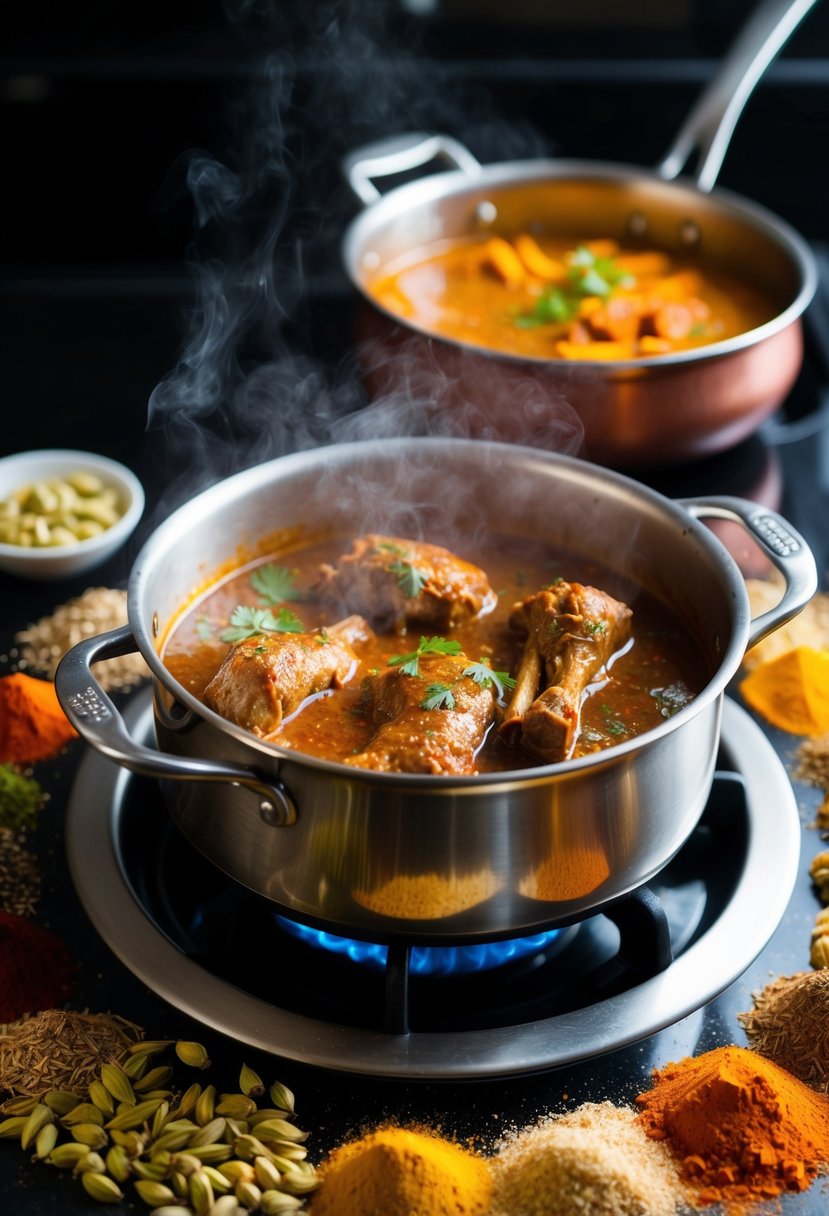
x=96, y=719
x=708, y=128
x=785, y=548
x=402, y=154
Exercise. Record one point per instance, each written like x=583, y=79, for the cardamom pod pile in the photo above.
x=194, y=1153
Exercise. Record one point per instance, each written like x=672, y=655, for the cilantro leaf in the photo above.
x=275, y=584
x=483, y=674
x=204, y=628
x=438, y=696
x=412, y=580
x=247, y=622
x=408, y=663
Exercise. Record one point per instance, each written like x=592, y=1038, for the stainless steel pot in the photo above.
x=380, y=855
x=626, y=414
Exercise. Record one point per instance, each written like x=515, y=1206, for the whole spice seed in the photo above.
x=36, y=968
x=62, y=1049
x=97, y=610
x=20, y=878
x=789, y=1023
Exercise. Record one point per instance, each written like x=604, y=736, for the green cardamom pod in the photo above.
x=174, y=1140
x=236, y=1106
x=178, y=1184
x=102, y=1187
x=151, y=1046
x=90, y=1134
x=154, y=1194
x=132, y=1117
x=214, y=1154
x=135, y=1066
x=201, y=1193
x=205, y=1105
x=150, y=1171
x=188, y=1100
x=100, y=1096
x=84, y=1112
x=160, y=1118
x=299, y=1181
x=185, y=1163
x=192, y=1054
x=11, y=1128
x=250, y=1082
x=92, y=1163
x=266, y=1173
x=248, y=1194
x=45, y=1141
x=154, y=1079
x=118, y=1083
x=61, y=1101
x=39, y=1117
x=276, y=1203
x=133, y=1143
x=220, y=1184
x=67, y=1156
x=23, y=1104
x=282, y=1097
x=234, y=1170
x=210, y=1133
x=118, y=1163
x=280, y=1129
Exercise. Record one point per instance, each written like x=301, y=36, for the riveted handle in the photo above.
x=96, y=719
x=785, y=548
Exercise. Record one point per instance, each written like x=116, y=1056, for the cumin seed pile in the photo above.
x=62, y=1049
x=789, y=1024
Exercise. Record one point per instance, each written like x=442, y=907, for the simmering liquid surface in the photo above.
x=660, y=669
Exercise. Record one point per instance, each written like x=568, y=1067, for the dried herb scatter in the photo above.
x=20, y=878
x=789, y=1023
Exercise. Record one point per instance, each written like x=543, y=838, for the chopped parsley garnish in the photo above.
x=388, y=546
x=594, y=627
x=247, y=622
x=438, y=696
x=587, y=275
x=612, y=724
x=275, y=584
x=408, y=663
x=412, y=580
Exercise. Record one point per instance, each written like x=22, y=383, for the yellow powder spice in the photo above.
x=791, y=691
x=429, y=896
x=401, y=1172
x=593, y=1161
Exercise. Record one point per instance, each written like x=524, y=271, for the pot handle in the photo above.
x=708, y=128
x=96, y=719
x=402, y=154
x=785, y=547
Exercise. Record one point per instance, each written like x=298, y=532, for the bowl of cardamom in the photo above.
x=63, y=512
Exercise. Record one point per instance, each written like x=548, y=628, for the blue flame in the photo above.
x=426, y=960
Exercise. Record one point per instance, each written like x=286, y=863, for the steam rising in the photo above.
x=255, y=379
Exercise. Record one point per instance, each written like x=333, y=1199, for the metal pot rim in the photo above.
x=262, y=474
x=454, y=183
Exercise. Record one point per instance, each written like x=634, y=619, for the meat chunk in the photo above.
x=572, y=632
x=414, y=739
x=399, y=584
x=265, y=678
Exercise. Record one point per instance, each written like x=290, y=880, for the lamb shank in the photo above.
x=399, y=584
x=572, y=633
x=266, y=677
x=412, y=738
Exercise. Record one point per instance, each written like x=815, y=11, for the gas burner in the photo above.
x=638, y=967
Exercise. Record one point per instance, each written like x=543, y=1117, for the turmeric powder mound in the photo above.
x=399, y=1172
x=810, y=627
x=742, y=1125
x=791, y=691
x=570, y=874
x=429, y=896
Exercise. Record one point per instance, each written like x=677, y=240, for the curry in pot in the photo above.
x=555, y=299
x=395, y=655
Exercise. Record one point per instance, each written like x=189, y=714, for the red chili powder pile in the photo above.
x=36, y=970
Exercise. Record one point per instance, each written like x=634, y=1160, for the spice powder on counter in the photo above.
x=398, y=1171
x=33, y=725
x=744, y=1127
x=35, y=967
x=596, y=1160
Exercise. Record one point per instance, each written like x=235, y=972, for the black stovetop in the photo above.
x=89, y=334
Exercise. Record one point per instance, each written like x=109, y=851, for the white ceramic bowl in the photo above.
x=65, y=560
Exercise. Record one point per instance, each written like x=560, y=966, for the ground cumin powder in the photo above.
x=789, y=1023
x=402, y=1172
x=593, y=1161
x=744, y=1127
